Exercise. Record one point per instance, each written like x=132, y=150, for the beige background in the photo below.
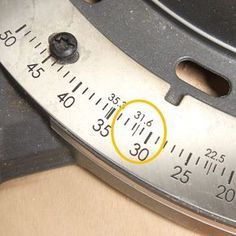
x=71, y=201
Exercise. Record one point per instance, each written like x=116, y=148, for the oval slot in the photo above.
x=92, y=1
x=202, y=79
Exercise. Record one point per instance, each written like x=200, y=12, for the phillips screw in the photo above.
x=64, y=47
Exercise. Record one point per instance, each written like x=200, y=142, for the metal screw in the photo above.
x=63, y=46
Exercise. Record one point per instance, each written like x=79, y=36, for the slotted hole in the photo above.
x=202, y=79
x=92, y=1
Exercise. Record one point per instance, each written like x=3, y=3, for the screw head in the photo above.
x=63, y=46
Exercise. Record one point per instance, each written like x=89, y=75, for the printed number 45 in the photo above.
x=35, y=70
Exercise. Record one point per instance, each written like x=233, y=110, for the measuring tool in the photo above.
x=133, y=128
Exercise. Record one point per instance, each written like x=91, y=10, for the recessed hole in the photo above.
x=202, y=79
x=92, y=1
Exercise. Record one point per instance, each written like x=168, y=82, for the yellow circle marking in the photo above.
x=156, y=154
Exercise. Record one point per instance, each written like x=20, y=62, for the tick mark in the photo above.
x=182, y=151
x=208, y=171
x=206, y=164
x=54, y=63
x=231, y=177
x=110, y=113
x=223, y=171
x=188, y=159
x=105, y=107
x=165, y=144
x=21, y=28
x=173, y=148
x=134, y=126
x=27, y=33
x=43, y=51
x=76, y=87
x=214, y=168
x=119, y=116
x=31, y=40
x=67, y=73
x=141, y=131
x=91, y=96
x=135, y=130
x=37, y=45
x=148, y=137
x=157, y=140
x=127, y=121
x=72, y=79
x=197, y=161
x=46, y=59
x=98, y=101
x=60, y=68
x=85, y=91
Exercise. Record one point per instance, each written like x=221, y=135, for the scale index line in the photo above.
x=105, y=107
x=85, y=91
x=27, y=33
x=91, y=96
x=134, y=126
x=38, y=45
x=46, y=59
x=67, y=73
x=110, y=113
x=231, y=177
x=223, y=171
x=126, y=121
x=173, y=148
x=31, y=40
x=208, y=171
x=21, y=28
x=214, y=168
x=157, y=140
x=76, y=87
x=73, y=79
x=188, y=159
x=135, y=130
x=198, y=159
x=142, y=131
x=148, y=137
x=119, y=116
x=99, y=100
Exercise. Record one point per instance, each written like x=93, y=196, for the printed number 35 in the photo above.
x=102, y=128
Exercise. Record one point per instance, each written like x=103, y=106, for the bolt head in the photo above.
x=63, y=46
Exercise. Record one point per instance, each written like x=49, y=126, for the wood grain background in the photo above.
x=70, y=201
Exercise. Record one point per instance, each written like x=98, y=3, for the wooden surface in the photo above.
x=70, y=201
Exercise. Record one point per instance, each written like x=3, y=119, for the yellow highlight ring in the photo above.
x=157, y=153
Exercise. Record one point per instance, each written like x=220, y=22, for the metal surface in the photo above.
x=155, y=40
x=194, y=173
x=213, y=19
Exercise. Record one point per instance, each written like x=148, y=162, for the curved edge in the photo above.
x=124, y=183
